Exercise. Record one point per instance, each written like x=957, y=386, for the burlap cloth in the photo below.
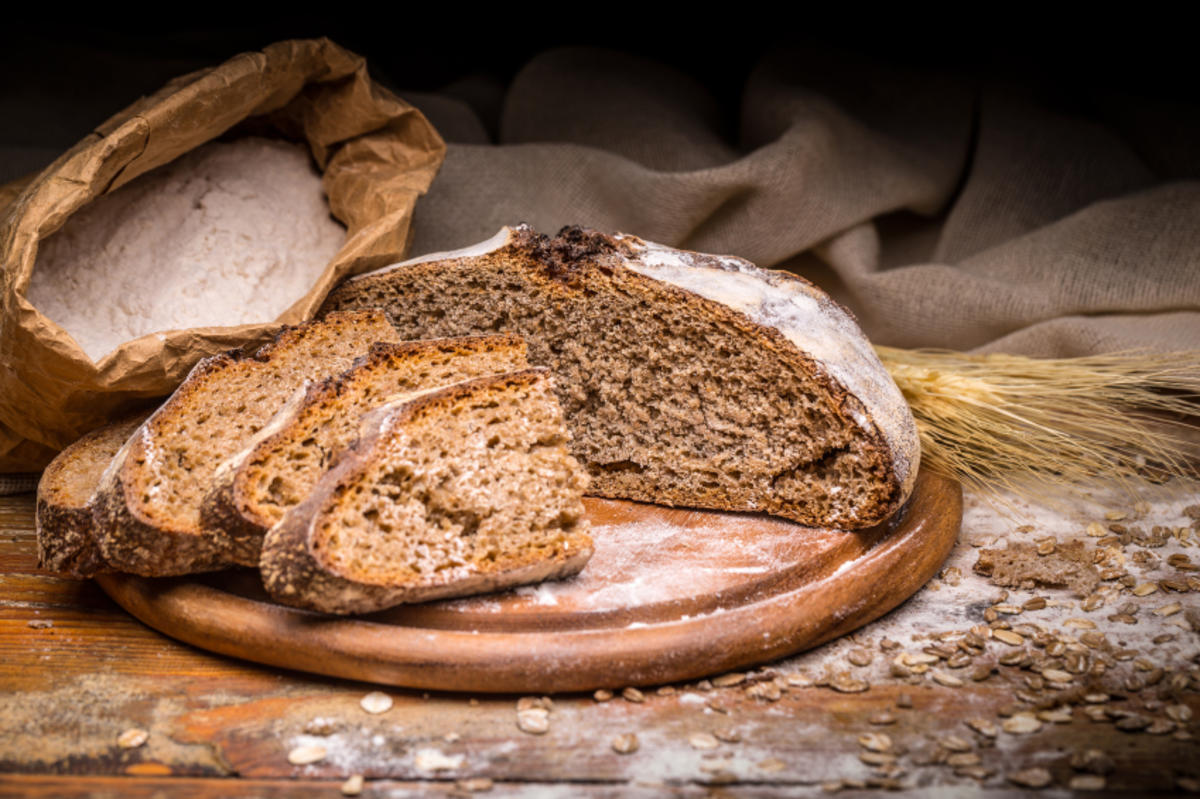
x=943, y=212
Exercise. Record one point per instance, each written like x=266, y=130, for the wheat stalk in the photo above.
x=1039, y=426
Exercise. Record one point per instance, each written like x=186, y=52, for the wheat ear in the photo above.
x=1010, y=422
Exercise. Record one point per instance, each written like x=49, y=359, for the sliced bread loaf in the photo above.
x=148, y=504
x=686, y=379
x=284, y=460
x=453, y=491
x=66, y=541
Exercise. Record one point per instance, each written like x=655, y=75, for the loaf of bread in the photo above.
x=457, y=490
x=285, y=459
x=148, y=518
x=66, y=543
x=686, y=379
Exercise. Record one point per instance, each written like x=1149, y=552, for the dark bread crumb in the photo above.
x=1020, y=566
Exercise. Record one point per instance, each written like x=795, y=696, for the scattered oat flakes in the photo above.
x=717, y=707
x=844, y=683
x=1181, y=713
x=376, y=702
x=132, y=738
x=1087, y=782
x=875, y=741
x=954, y=743
x=1114, y=515
x=1058, y=715
x=772, y=764
x=1168, y=610
x=960, y=759
x=1093, y=760
x=728, y=735
x=632, y=694
x=1144, y=588
x=1030, y=778
x=860, y=657
x=946, y=679
x=1021, y=724
x=602, y=695
x=1008, y=637
x=1132, y=723
x=1160, y=727
x=625, y=744
x=984, y=727
x=1056, y=675
x=39, y=624
x=882, y=718
x=533, y=720
x=703, y=740
x=353, y=786
x=304, y=755
x=726, y=680
x=1096, y=530
x=877, y=758
x=665, y=690
x=766, y=691
x=798, y=680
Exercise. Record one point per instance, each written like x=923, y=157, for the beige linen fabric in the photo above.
x=943, y=212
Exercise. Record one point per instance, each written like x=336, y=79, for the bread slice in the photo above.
x=453, y=491
x=66, y=540
x=285, y=459
x=686, y=379
x=148, y=504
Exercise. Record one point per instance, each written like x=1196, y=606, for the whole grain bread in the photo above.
x=148, y=505
x=686, y=379
x=457, y=490
x=66, y=539
x=285, y=459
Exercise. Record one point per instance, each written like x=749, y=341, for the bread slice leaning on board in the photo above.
x=452, y=491
x=686, y=379
x=66, y=538
x=148, y=506
x=252, y=490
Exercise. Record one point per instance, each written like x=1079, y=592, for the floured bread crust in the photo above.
x=686, y=379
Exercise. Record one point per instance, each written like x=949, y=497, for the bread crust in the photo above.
x=66, y=539
x=579, y=263
x=135, y=536
x=229, y=505
x=295, y=575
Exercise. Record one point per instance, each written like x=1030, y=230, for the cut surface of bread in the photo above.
x=686, y=379
x=294, y=449
x=453, y=491
x=148, y=505
x=66, y=539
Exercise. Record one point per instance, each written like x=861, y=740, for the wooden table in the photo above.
x=76, y=672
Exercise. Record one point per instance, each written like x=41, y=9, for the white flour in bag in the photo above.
x=230, y=233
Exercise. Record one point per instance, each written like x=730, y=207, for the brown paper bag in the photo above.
x=378, y=155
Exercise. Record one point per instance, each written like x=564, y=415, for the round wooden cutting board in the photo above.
x=670, y=594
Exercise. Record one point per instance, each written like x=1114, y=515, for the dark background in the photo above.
x=59, y=78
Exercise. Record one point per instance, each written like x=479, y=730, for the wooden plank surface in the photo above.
x=76, y=672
